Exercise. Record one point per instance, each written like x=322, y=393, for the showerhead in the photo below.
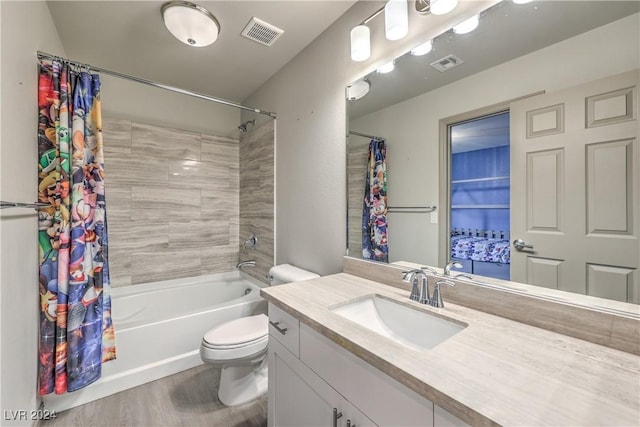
x=243, y=126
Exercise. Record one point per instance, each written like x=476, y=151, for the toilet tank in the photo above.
x=287, y=273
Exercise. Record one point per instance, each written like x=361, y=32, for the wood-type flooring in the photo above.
x=188, y=398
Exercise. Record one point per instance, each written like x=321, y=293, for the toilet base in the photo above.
x=242, y=384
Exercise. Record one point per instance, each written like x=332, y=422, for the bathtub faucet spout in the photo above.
x=249, y=263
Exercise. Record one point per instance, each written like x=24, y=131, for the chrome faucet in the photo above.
x=437, y=301
x=419, y=290
x=451, y=264
x=249, y=263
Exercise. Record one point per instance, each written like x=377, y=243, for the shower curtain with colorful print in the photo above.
x=76, y=332
x=374, y=209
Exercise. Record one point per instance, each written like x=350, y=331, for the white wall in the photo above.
x=308, y=96
x=26, y=27
x=138, y=102
x=412, y=126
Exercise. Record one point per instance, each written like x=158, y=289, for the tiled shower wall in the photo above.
x=357, y=156
x=172, y=202
x=256, y=197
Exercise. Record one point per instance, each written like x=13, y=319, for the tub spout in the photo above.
x=249, y=263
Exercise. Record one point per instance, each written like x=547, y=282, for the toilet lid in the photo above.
x=238, y=331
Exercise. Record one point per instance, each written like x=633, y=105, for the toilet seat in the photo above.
x=238, y=331
x=238, y=339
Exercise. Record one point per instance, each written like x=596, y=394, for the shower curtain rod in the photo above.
x=44, y=55
x=379, y=138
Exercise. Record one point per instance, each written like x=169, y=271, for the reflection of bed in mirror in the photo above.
x=482, y=252
x=539, y=50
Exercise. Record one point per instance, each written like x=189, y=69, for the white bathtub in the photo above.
x=159, y=327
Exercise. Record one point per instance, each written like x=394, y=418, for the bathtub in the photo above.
x=159, y=327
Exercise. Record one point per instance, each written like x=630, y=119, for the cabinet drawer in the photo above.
x=285, y=328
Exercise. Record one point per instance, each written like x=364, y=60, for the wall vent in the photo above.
x=447, y=63
x=261, y=32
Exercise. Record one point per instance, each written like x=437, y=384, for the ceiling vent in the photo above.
x=261, y=32
x=447, y=63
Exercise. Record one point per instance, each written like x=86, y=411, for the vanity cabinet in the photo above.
x=298, y=397
x=305, y=388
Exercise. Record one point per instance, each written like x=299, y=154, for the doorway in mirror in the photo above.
x=480, y=185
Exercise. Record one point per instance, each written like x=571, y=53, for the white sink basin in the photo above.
x=416, y=329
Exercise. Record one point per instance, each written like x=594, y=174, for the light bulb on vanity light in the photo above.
x=360, y=43
x=467, y=26
x=442, y=7
x=387, y=68
x=422, y=49
x=396, y=19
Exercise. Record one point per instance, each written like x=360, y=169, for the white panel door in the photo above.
x=575, y=189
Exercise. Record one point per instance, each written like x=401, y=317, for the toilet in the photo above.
x=240, y=347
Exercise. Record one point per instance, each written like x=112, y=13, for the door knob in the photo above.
x=520, y=244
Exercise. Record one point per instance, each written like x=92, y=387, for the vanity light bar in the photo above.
x=396, y=23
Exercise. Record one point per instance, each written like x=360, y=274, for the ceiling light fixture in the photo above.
x=191, y=24
x=387, y=68
x=442, y=7
x=396, y=19
x=360, y=43
x=358, y=90
x=467, y=26
x=521, y=1
x=422, y=49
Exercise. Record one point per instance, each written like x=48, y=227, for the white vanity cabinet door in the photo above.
x=384, y=400
x=442, y=418
x=299, y=398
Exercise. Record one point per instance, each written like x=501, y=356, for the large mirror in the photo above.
x=525, y=128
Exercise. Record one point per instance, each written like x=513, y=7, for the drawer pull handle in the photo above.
x=283, y=331
x=336, y=415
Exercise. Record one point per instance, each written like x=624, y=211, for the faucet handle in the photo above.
x=407, y=276
x=436, y=300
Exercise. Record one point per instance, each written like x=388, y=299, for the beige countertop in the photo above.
x=494, y=372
